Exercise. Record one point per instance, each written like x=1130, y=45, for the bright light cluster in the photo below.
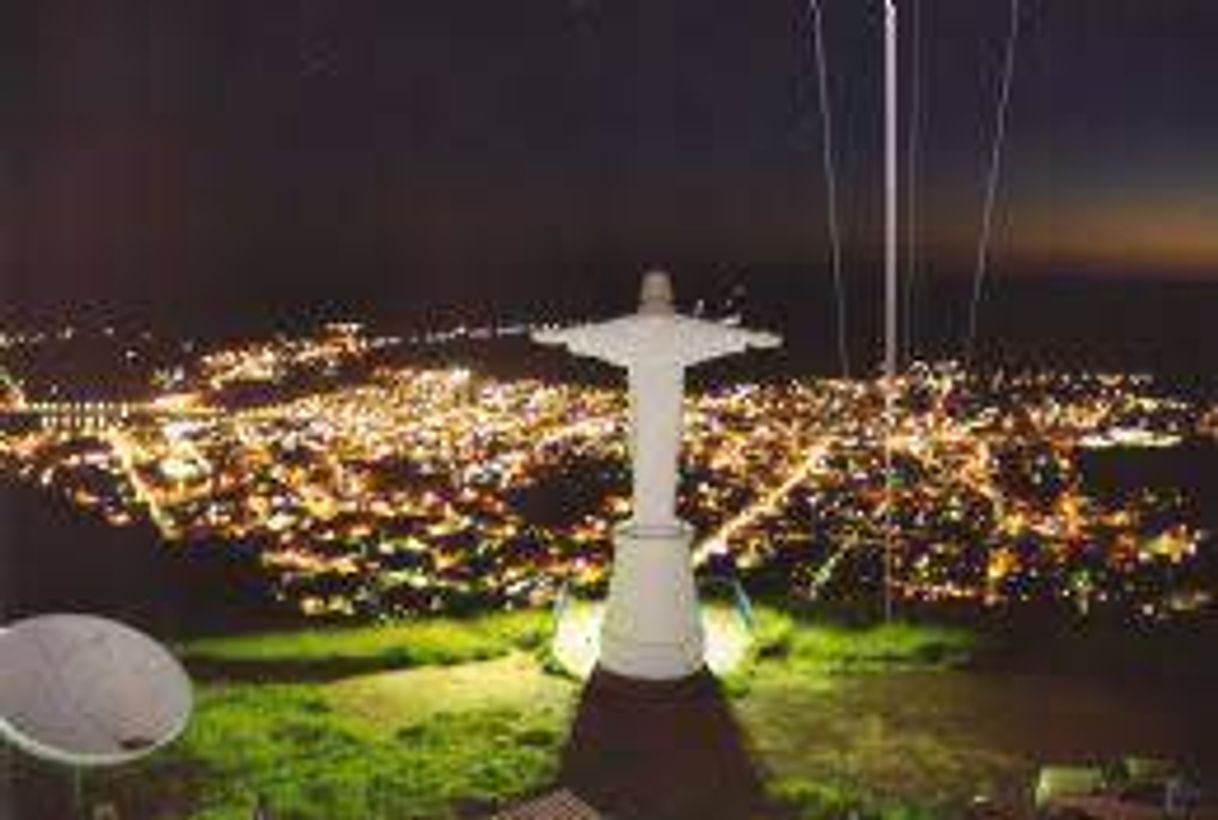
x=371, y=483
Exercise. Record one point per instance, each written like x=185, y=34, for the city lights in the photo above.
x=371, y=483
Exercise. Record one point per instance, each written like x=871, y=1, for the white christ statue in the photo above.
x=652, y=627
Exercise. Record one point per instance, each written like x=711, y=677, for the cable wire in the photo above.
x=891, y=291
x=913, y=145
x=830, y=171
x=991, y=189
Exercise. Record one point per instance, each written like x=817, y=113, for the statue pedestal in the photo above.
x=661, y=749
x=653, y=626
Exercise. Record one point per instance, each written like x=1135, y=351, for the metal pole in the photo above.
x=890, y=280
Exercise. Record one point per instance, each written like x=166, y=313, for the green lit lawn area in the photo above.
x=437, y=641
x=311, y=755
x=797, y=644
x=453, y=717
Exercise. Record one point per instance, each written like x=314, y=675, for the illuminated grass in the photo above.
x=897, y=644
x=731, y=648
x=349, y=650
x=287, y=745
x=392, y=700
x=456, y=735
x=788, y=645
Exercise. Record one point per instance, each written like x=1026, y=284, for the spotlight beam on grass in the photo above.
x=577, y=634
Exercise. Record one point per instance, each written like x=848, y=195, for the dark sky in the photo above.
x=312, y=150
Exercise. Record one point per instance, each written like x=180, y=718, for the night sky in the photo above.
x=349, y=151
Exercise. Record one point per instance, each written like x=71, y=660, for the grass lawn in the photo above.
x=310, y=757
x=393, y=700
x=451, y=717
x=339, y=651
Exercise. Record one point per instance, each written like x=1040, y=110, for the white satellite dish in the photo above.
x=85, y=691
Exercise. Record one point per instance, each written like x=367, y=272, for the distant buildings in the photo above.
x=371, y=484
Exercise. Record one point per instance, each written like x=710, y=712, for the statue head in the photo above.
x=655, y=298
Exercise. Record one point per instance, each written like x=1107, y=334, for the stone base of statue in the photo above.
x=653, y=625
x=661, y=749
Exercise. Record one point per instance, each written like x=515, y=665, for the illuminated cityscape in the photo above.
x=373, y=481
x=325, y=368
